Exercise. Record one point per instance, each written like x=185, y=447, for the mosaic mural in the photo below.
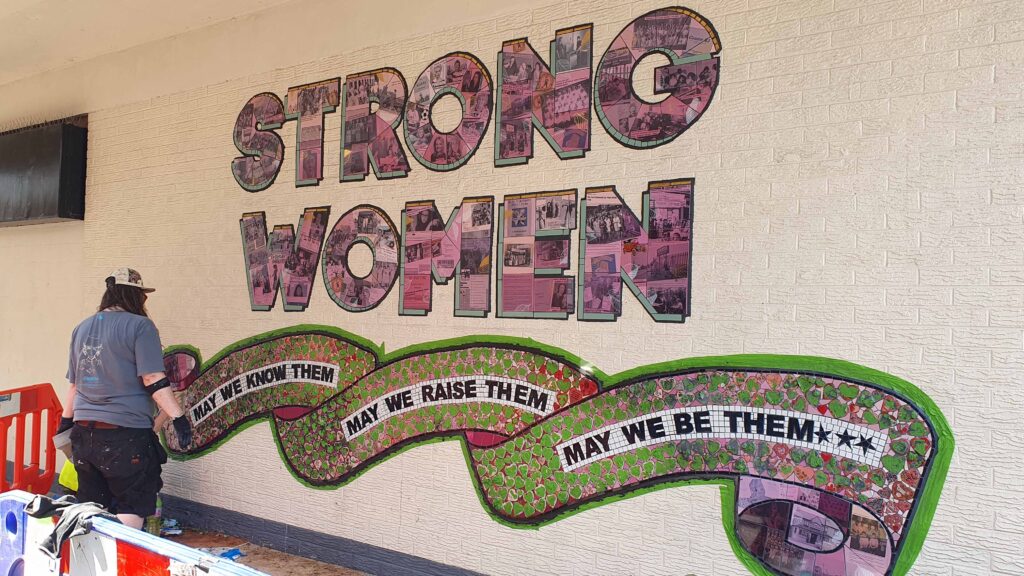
x=825, y=467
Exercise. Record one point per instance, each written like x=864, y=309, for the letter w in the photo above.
x=279, y=261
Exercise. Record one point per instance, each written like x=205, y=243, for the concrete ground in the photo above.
x=270, y=561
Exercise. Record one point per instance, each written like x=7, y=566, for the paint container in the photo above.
x=62, y=442
x=154, y=522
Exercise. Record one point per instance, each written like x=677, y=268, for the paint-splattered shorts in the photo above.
x=119, y=466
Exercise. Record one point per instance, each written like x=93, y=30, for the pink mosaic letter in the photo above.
x=369, y=134
x=435, y=251
x=262, y=148
x=281, y=261
x=464, y=76
x=529, y=96
x=691, y=44
x=652, y=257
x=308, y=104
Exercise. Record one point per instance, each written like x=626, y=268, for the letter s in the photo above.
x=255, y=138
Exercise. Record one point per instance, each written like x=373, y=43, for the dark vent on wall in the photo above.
x=42, y=173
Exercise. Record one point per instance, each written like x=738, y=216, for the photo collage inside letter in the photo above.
x=690, y=79
x=369, y=226
x=534, y=253
x=370, y=133
x=255, y=137
x=656, y=260
x=557, y=98
x=307, y=104
x=432, y=249
x=463, y=76
x=280, y=262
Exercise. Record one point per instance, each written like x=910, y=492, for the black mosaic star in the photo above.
x=845, y=438
x=865, y=444
x=823, y=435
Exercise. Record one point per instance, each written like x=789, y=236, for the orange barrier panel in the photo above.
x=16, y=406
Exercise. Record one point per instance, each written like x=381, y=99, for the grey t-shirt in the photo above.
x=109, y=353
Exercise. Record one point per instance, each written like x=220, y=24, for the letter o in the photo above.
x=368, y=225
x=466, y=77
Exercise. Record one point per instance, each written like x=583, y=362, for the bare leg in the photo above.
x=131, y=520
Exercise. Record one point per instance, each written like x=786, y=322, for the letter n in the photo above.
x=531, y=96
x=280, y=260
x=653, y=257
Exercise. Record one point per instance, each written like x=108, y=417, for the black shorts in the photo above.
x=119, y=466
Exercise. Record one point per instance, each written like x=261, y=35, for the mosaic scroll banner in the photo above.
x=825, y=467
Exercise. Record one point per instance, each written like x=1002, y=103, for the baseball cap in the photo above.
x=129, y=277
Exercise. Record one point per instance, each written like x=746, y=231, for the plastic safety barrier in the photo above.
x=109, y=549
x=34, y=410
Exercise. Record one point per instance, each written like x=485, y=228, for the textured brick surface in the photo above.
x=858, y=197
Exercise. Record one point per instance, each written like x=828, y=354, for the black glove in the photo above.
x=183, y=428
x=65, y=424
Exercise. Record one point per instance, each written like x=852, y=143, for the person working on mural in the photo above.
x=116, y=372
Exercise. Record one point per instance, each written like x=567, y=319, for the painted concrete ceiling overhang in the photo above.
x=42, y=35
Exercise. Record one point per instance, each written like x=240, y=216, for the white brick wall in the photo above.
x=40, y=302
x=858, y=196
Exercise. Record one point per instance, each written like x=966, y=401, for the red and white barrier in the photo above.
x=33, y=410
x=110, y=548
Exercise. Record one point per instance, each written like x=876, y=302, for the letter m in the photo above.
x=434, y=251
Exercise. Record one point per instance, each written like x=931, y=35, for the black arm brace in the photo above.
x=157, y=386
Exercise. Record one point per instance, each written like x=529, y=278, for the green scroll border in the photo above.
x=918, y=523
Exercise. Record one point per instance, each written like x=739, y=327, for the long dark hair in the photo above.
x=127, y=298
